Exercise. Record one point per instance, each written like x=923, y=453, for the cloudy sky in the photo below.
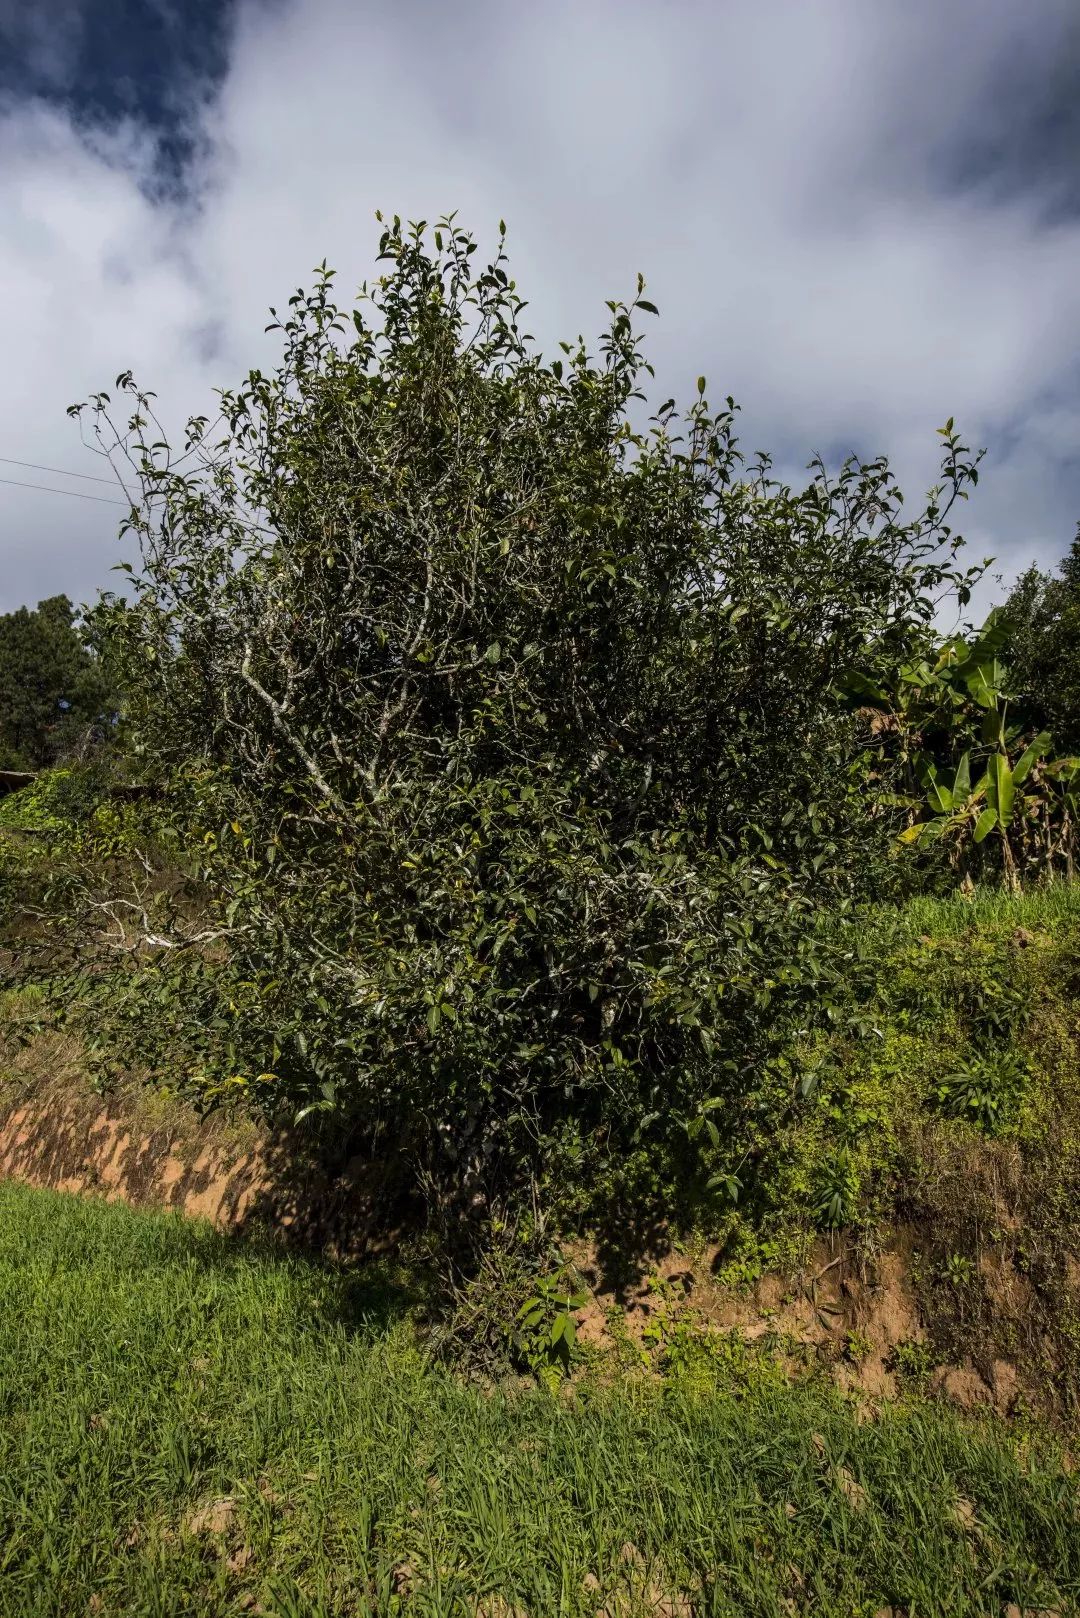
x=857, y=216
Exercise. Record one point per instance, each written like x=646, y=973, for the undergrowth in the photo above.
x=962, y=1027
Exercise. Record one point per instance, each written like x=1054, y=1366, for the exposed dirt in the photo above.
x=857, y=1317
x=153, y=1150
x=874, y=1320
x=216, y=1517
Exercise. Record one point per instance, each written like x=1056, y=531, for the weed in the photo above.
x=857, y=1347
x=912, y=1362
x=545, y=1330
x=984, y=1088
x=957, y=1270
x=836, y=1193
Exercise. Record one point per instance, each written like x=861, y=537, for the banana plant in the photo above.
x=1002, y=780
x=1005, y=786
x=935, y=692
x=959, y=808
x=1059, y=784
x=952, y=802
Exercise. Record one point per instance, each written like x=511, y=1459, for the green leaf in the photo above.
x=650, y=308
x=1038, y=749
x=961, y=787
x=940, y=798
x=938, y=795
x=993, y=637
x=985, y=824
x=991, y=729
x=983, y=683
x=859, y=688
x=1001, y=788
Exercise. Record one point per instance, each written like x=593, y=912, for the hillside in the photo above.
x=955, y=1156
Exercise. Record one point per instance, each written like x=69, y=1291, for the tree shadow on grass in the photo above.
x=335, y=1219
x=335, y=1216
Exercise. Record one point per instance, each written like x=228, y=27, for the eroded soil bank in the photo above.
x=151, y=1149
x=876, y=1316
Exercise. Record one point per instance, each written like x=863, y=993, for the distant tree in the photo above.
x=53, y=695
x=1044, y=610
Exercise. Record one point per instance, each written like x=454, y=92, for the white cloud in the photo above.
x=94, y=280
x=790, y=177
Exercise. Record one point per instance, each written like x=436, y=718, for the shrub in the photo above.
x=504, y=723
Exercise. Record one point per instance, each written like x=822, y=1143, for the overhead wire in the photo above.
x=76, y=494
x=35, y=466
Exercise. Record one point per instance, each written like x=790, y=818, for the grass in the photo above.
x=1048, y=907
x=191, y=1424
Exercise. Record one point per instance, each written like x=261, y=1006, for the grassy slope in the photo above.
x=962, y=1000
x=988, y=988
x=150, y=1369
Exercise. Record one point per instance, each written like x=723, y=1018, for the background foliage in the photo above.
x=1043, y=611
x=54, y=699
x=971, y=769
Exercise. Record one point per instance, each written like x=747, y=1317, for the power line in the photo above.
x=59, y=470
x=6, y=460
x=99, y=499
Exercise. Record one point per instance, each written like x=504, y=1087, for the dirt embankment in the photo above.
x=931, y=1304
x=861, y=1317
x=152, y=1150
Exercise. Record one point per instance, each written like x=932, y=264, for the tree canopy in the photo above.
x=504, y=719
x=52, y=692
x=1044, y=614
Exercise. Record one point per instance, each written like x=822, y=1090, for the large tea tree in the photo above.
x=504, y=719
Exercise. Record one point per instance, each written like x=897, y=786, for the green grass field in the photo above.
x=194, y=1425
